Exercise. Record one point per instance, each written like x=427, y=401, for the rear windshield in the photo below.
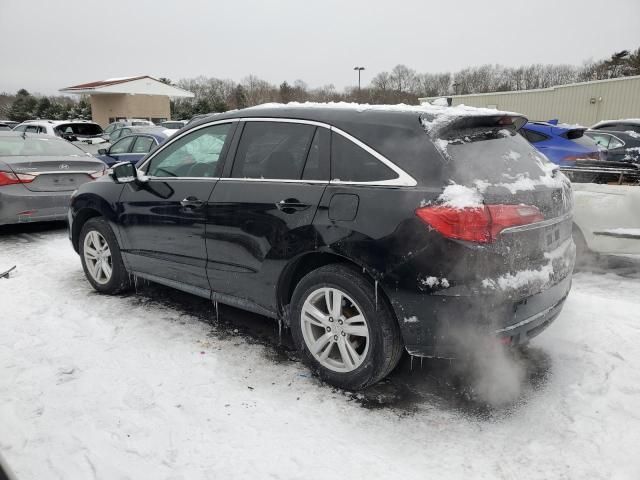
x=492, y=155
x=88, y=129
x=36, y=146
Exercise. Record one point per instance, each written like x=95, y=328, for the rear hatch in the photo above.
x=55, y=173
x=513, y=208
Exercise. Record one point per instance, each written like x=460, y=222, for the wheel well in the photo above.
x=80, y=219
x=307, y=263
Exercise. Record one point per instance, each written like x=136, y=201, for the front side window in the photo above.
x=615, y=143
x=273, y=150
x=194, y=155
x=351, y=163
x=122, y=146
x=143, y=145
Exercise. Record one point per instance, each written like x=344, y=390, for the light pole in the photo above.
x=359, y=69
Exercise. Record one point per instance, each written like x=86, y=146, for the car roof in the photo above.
x=13, y=133
x=157, y=132
x=348, y=116
x=622, y=121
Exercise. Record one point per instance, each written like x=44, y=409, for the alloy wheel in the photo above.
x=334, y=329
x=97, y=257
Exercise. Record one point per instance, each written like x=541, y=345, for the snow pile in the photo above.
x=459, y=196
x=128, y=387
x=432, y=282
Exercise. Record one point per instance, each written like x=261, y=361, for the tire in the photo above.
x=94, y=235
x=376, y=354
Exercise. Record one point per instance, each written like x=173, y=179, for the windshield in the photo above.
x=89, y=129
x=37, y=147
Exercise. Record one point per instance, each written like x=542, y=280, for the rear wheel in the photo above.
x=340, y=331
x=101, y=258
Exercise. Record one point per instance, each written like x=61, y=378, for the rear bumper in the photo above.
x=439, y=325
x=19, y=205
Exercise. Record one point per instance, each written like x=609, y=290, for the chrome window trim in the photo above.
x=402, y=180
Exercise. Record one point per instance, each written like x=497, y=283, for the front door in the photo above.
x=162, y=221
x=261, y=214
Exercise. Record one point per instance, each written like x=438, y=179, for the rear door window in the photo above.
x=533, y=137
x=352, y=163
x=273, y=150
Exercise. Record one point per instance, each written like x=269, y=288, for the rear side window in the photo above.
x=533, y=137
x=601, y=139
x=273, y=150
x=351, y=163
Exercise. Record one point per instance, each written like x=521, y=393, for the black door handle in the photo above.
x=191, y=202
x=291, y=205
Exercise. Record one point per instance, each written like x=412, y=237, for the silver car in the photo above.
x=38, y=174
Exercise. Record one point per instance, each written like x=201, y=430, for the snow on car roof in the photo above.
x=433, y=117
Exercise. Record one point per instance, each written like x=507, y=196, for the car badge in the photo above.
x=63, y=166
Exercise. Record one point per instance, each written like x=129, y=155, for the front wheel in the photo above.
x=101, y=258
x=346, y=334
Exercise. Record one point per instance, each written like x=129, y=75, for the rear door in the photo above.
x=261, y=213
x=162, y=222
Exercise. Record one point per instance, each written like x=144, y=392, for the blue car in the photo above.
x=132, y=147
x=562, y=144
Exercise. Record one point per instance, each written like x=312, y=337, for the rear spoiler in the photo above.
x=440, y=127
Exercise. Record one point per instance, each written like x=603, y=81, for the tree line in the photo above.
x=400, y=85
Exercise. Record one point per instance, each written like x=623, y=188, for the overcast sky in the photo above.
x=47, y=45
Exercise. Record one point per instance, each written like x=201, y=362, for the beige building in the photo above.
x=130, y=97
x=582, y=103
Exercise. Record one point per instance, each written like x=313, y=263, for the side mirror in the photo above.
x=102, y=151
x=124, y=172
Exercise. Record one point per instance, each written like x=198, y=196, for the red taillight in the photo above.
x=10, y=178
x=477, y=224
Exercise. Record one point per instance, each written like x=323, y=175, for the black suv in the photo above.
x=365, y=230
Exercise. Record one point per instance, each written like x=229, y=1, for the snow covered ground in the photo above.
x=141, y=387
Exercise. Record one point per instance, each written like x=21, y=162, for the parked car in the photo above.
x=128, y=130
x=71, y=130
x=364, y=230
x=607, y=195
x=38, y=173
x=620, y=146
x=132, y=122
x=174, y=124
x=622, y=125
x=131, y=148
x=9, y=123
x=562, y=144
x=4, y=127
